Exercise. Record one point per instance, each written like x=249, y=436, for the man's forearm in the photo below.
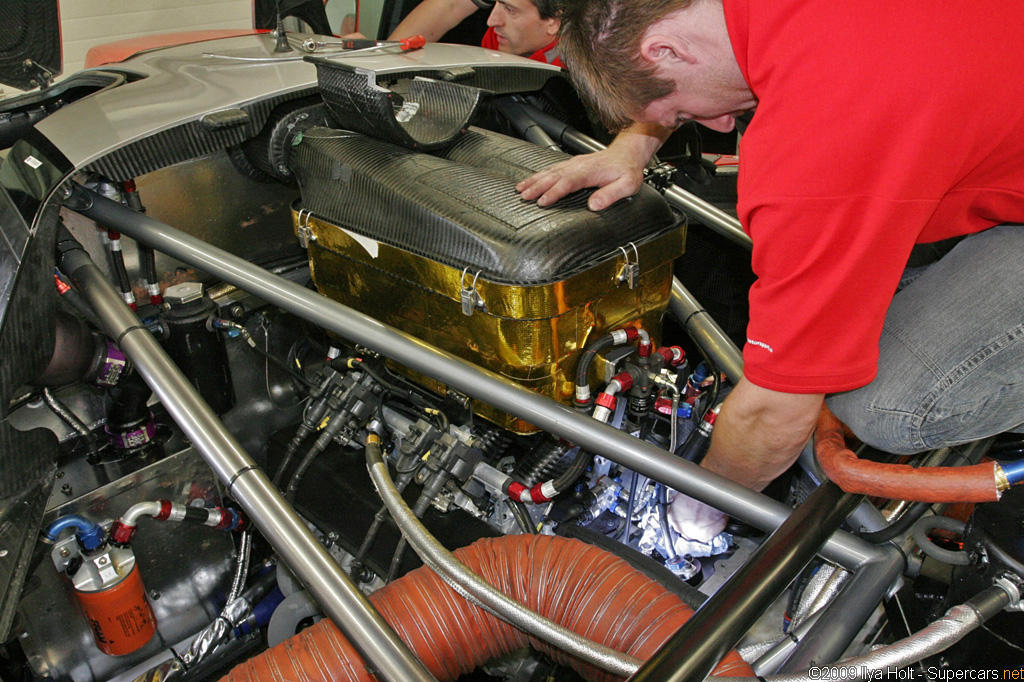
x=760, y=433
x=640, y=141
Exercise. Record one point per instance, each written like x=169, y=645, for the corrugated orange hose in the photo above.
x=976, y=483
x=574, y=584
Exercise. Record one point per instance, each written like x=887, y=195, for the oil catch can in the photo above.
x=197, y=349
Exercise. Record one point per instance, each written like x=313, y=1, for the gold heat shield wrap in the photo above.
x=531, y=335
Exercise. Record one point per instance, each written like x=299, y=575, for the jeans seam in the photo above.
x=960, y=372
x=914, y=421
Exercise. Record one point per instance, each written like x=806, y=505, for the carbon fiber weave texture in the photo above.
x=459, y=207
x=430, y=116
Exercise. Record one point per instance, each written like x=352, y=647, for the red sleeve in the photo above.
x=858, y=150
x=826, y=275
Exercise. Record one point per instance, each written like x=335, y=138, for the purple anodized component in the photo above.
x=113, y=366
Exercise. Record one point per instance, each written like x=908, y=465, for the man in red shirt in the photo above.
x=877, y=127
x=528, y=28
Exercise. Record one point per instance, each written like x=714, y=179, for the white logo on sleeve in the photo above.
x=760, y=344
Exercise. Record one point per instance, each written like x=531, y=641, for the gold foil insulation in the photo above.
x=532, y=335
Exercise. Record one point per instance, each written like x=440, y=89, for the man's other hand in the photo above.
x=617, y=176
x=695, y=520
x=617, y=170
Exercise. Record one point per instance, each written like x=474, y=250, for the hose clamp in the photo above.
x=1011, y=584
x=1002, y=482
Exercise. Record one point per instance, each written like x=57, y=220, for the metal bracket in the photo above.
x=39, y=76
x=660, y=176
x=304, y=231
x=471, y=299
x=630, y=272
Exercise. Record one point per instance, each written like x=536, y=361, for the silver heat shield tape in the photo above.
x=465, y=582
x=936, y=637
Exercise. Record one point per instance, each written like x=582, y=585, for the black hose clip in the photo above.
x=660, y=176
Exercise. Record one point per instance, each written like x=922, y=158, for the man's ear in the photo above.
x=663, y=49
x=554, y=25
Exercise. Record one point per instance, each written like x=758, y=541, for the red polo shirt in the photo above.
x=879, y=125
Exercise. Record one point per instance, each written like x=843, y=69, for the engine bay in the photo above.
x=400, y=423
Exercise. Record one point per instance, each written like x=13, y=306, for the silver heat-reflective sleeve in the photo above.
x=930, y=640
x=475, y=588
x=65, y=413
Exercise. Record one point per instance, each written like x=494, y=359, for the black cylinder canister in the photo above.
x=197, y=349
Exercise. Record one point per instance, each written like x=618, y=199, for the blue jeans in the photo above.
x=951, y=365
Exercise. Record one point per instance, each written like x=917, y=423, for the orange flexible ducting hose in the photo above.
x=579, y=586
x=976, y=483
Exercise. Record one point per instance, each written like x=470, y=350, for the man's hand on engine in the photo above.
x=695, y=520
x=617, y=170
x=617, y=177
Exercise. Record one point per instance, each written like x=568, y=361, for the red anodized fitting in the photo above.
x=606, y=401
x=122, y=534
x=674, y=355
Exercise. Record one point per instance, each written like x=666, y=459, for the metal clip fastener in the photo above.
x=304, y=231
x=471, y=299
x=660, y=176
x=630, y=272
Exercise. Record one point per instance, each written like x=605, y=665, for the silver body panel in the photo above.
x=182, y=84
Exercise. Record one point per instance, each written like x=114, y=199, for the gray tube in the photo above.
x=712, y=216
x=706, y=332
x=732, y=498
x=286, y=532
x=479, y=591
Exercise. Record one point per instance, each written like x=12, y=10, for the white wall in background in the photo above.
x=85, y=23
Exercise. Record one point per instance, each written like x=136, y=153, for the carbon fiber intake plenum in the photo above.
x=460, y=208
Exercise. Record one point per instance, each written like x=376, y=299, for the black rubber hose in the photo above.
x=923, y=526
x=300, y=471
x=522, y=516
x=583, y=366
x=797, y=591
x=148, y=258
x=522, y=120
x=696, y=445
x=120, y=270
x=900, y=526
x=540, y=463
x=289, y=454
x=359, y=560
x=575, y=470
x=423, y=502
x=552, y=126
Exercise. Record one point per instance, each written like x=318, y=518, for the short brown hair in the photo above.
x=548, y=9
x=600, y=42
